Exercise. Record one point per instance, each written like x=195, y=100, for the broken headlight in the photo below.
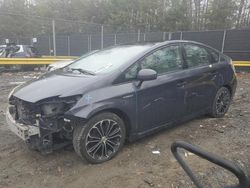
x=58, y=106
x=13, y=91
x=52, y=108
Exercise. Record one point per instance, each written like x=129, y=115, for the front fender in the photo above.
x=126, y=106
x=86, y=112
x=121, y=97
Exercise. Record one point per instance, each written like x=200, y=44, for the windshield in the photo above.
x=107, y=60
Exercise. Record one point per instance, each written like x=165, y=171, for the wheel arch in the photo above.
x=229, y=88
x=120, y=114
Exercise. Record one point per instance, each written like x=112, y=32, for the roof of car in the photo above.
x=158, y=43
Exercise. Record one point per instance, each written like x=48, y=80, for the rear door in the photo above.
x=200, y=88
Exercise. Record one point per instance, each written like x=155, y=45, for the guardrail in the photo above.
x=30, y=61
x=241, y=63
x=60, y=57
x=49, y=60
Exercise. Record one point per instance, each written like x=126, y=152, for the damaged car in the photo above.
x=121, y=93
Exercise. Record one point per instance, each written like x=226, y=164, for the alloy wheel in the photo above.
x=103, y=139
x=223, y=102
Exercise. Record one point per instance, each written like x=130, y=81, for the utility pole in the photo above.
x=115, y=39
x=138, y=35
x=169, y=36
x=54, y=36
x=89, y=43
x=223, y=41
x=102, y=37
x=68, y=45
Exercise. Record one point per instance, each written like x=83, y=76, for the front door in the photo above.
x=162, y=100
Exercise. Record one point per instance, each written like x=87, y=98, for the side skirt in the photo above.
x=137, y=136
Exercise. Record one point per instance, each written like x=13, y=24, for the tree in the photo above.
x=221, y=14
x=26, y=18
x=177, y=17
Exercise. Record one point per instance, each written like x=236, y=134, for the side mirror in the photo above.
x=146, y=74
x=227, y=165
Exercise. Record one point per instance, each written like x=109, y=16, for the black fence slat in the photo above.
x=211, y=38
x=236, y=44
x=176, y=36
x=237, y=40
x=43, y=45
x=61, y=45
x=78, y=45
x=108, y=40
x=96, y=42
x=154, y=37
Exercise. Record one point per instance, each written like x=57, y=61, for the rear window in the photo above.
x=224, y=58
x=215, y=56
x=196, y=55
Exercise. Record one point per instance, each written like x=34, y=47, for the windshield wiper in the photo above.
x=82, y=71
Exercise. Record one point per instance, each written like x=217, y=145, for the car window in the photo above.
x=222, y=59
x=162, y=61
x=1, y=51
x=214, y=56
x=196, y=55
x=19, y=49
x=132, y=72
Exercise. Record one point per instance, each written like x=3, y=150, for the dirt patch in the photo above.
x=136, y=165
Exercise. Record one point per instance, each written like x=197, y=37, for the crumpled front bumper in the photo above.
x=21, y=130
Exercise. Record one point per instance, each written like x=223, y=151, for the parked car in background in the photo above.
x=2, y=47
x=2, y=50
x=18, y=51
x=119, y=93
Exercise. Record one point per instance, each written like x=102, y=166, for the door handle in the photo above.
x=181, y=83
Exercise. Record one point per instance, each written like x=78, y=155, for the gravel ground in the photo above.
x=136, y=165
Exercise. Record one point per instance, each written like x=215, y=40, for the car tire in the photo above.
x=221, y=103
x=100, y=139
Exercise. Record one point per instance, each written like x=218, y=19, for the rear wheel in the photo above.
x=100, y=139
x=221, y=102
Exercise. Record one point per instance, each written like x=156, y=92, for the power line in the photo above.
x=59, y=19
x=48, y=18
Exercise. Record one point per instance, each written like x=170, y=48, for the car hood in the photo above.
x=56, y=84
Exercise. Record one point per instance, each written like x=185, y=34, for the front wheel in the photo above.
x=101, y=138
x=221, y=102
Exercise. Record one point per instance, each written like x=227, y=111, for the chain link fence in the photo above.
x=234, y=43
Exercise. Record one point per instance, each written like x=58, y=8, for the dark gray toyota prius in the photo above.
x=123, y=92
